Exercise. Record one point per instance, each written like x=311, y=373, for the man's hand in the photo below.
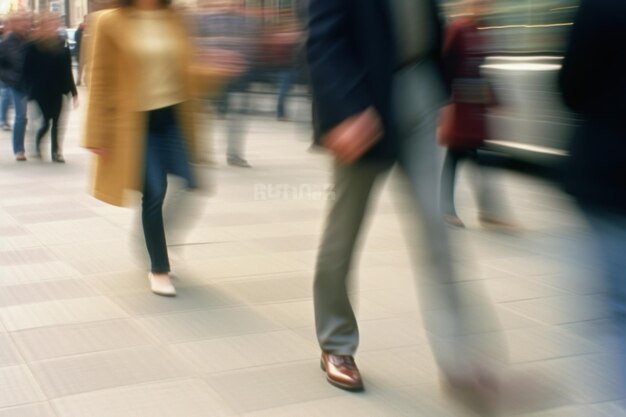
x=354, y=136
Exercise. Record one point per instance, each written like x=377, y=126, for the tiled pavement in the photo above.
x=81, y=335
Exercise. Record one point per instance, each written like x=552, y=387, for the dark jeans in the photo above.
x=286, y=79
x=165, y=154
x=51, y=111
x=20, y=104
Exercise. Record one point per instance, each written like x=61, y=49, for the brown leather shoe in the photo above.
x=342, y=372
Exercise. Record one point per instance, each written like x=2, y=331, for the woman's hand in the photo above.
x=75, y=102
x=98, y=151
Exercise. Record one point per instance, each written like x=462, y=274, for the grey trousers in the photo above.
x=417, y=100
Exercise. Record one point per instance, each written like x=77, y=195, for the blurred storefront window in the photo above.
x=527, y=27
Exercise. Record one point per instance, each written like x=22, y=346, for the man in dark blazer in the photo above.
x=377, y=89
x=593, y=83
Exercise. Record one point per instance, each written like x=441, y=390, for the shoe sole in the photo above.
x=164, y=294
x=337, y=384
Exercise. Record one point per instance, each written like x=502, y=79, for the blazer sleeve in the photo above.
x=101, y=71
x=338, y=78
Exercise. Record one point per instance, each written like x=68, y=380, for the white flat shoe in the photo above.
x=161, y=288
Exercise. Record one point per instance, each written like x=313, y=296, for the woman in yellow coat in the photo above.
x=140, y=114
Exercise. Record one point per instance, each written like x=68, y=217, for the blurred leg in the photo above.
x=609, y=232
x=336, y=325
x=43, y=107
x=448, y=181
x=41, y=133
x=489, y=196
x=285, y=81
x=453, y=318
x=5, y=103
x=19, y=126
x=177, y=210
x=56, y=105
x=155, y=187
x=235, y=121
x=79, y=77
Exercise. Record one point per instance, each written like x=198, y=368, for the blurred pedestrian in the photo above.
x=140, y=114
x=78, y=39
x=280, y=52
x=377, y=90
x=463, y=128
x=12, y=51
x=48, y=78
x=593, y=83
x=229, y=27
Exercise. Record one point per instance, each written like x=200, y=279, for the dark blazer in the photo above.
x=593, y=83
x=12, y=50
x=351, y=60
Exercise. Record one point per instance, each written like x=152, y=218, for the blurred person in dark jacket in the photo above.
x=378, y=86
x=463, y=128
x=48, y=78
x=593, y=83
x=12, y=51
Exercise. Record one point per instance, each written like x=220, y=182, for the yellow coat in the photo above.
x=112, y=121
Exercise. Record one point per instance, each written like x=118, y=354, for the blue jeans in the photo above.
x=20, y=102
x=5, y=103
x=285, y=80
x=165, y=154
x=609, y=234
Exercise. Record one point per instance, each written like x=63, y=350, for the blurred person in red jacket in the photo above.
x=463, y=128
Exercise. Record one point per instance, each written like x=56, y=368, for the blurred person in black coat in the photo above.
x=593, y=83
x=48, y=77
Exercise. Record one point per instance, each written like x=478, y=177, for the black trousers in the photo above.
x=51, y=111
